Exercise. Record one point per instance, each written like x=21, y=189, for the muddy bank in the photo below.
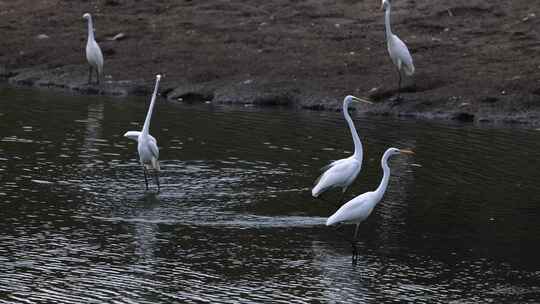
x=475, y=60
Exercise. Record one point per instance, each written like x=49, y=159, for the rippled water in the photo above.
x=235, y=223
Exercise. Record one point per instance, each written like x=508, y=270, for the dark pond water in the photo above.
x=235, y=223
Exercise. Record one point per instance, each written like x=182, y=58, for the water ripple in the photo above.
x=235, y=222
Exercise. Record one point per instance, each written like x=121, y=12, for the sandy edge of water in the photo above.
x=260, y=93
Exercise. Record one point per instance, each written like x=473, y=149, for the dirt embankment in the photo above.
x=475, y=60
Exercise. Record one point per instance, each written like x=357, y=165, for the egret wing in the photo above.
x=402, y=53
x=328, y=168
x=154, y=148
x=333, y=163
x=99, y=59
x=340, y=174
x=97, y=56
x=355, y=210
x=94, y=55
x=134, y=135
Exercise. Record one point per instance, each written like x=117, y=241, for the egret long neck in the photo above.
x=357, y=143
x=386, y=175
x=146, y=126
x=387, y=22
x=90, y=29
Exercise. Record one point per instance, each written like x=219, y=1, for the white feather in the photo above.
x=398, y=51
x=94, y=56
x=400, y=55
x=341, y=173
x=146, y=143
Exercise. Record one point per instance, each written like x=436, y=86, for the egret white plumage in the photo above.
x=359, y=208
x=398, y=51
x=341, y=173
x=146, y=143
x=93, y=52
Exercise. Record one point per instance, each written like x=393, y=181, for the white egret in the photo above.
x=398, y=51
x=93, y=52
x=146, y=143
x=359, y=208
x=341, y=173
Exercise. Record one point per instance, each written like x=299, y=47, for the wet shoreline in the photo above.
x=262, y=93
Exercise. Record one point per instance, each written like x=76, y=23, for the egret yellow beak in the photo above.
x=361, y=100
x=406, y=151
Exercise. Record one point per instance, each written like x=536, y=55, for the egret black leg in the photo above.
x=157, y=180
x=97, y=75
x=354, y=253
x=355, y=236
x=339, y=228
x=353, y=243
x=399, y=86
x=89, y=74
x=145, y=178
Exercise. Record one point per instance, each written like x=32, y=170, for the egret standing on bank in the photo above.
x=93, y=52
x=147, y=144
x=398, y=51
x=341, y=173
x=359, y=208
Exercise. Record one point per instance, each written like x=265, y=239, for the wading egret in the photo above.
x=398, y=51
x=93, y=52
x=341, y=173
x=147, y=144
x=359, y=208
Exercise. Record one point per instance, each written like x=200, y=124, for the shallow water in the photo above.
x=235, y=223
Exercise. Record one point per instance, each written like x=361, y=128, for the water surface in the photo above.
x=235, y=223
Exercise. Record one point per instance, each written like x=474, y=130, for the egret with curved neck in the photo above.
x=359, y=208
x=398, y=51
x=93, y=52
x=341, y=173
x=147, y=144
